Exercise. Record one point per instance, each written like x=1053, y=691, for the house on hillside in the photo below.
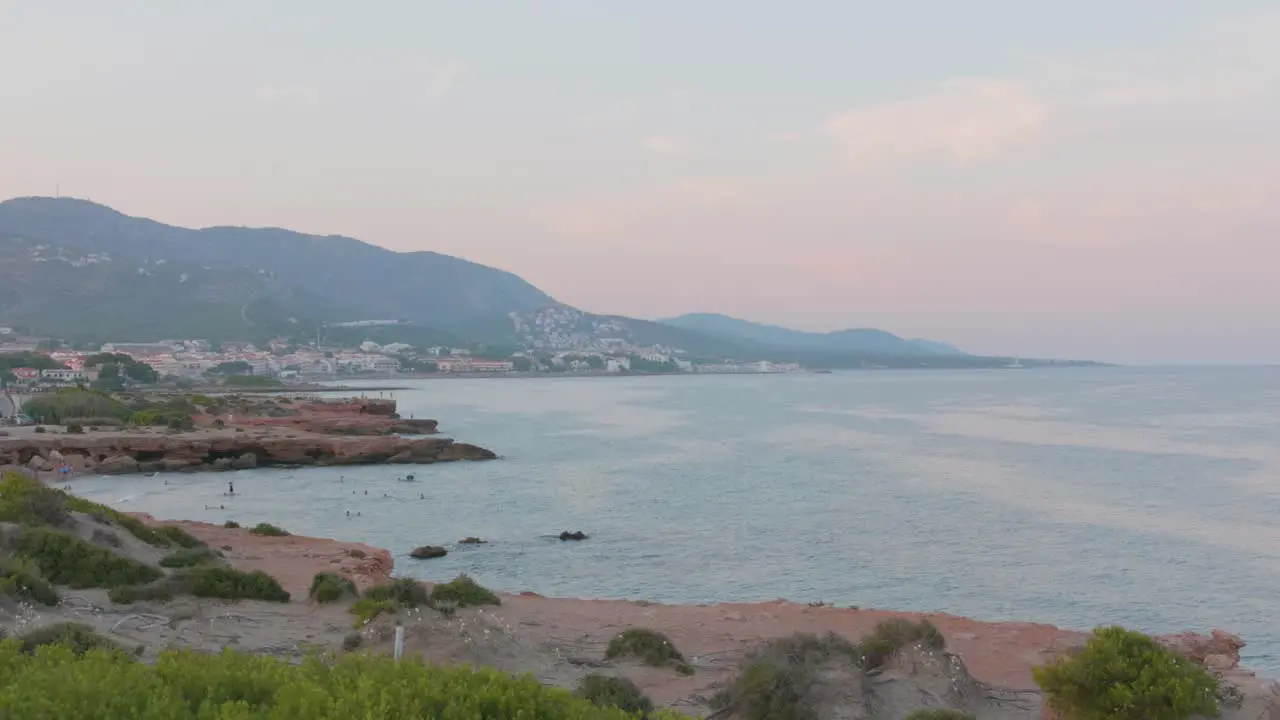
x=26, y=375
x=67, y=375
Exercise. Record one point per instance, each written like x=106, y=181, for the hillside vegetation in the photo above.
x=102, y=684
x=148, y=280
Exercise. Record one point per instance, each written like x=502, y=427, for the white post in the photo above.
x=399, y=642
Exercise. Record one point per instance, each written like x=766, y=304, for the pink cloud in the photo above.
x=961, y=121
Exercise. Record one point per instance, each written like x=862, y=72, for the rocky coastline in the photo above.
x=994, y=659
x=248, y=435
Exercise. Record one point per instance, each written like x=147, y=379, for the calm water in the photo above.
x=1142, y=497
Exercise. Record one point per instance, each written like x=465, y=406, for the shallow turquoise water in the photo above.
x=1075, y=497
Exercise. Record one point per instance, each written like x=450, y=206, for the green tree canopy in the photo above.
x=231, y=367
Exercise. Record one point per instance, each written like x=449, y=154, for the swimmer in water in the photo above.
x=348, y=513
x=421, y=496
x=366, y=492
x=231, y=488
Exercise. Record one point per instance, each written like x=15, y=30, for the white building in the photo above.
x=64, y=375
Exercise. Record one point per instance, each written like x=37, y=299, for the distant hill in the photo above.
x=869, y=341
x=67, y=291
x=325, y=277
x=939, y=348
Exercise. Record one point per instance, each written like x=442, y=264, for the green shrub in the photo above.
x=329, y=587
x=55, y=408
x=941, y=714
x=894, y=634
x=65, y=559
x=402, y=591
x=464, y=592
x=56, y=683
x=366, y=609
x=775, y=681
x=269, y=530
x=188, y=557
x=106, y=515
x=21, y=579
x=614, y=692
x=649, y=647
x=180, y=537
x=92, y=423
x=129, y=594
x=177, y=418
x=75, y=428
x=41, y=429
x=231, y=524
x=1125, y=675
x=77, y=637
x=389, y=598
x=31, y=502
x=231, y=584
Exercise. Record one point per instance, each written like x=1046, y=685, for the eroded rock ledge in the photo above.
x=118, y=452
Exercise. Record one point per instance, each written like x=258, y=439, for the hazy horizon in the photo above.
x=1014, y=180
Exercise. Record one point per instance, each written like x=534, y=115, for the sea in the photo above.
x=1148, y=498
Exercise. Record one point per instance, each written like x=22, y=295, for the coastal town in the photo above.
x=283, y=360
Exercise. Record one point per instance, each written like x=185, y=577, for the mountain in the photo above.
x=69, y=291
x=330, y=278
x=563, y=328
x=867, y=341
x=938, y=348
x=82, y=271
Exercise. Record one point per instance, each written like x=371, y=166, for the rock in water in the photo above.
x=575, y=535
x=245, y=462
x=426, y=552
x=117, y=465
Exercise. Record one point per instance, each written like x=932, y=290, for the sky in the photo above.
x=1086, y=179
